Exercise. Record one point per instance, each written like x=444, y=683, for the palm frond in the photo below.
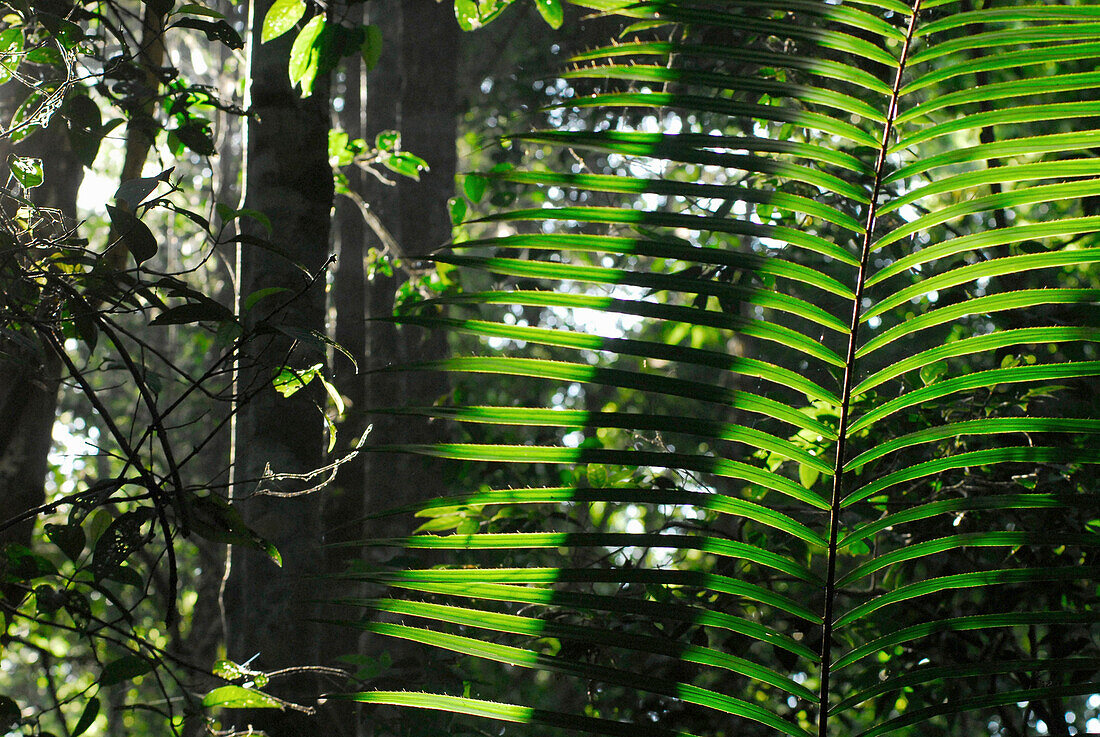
x=817, y=354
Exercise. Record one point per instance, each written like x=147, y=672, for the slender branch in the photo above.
x=132, y=456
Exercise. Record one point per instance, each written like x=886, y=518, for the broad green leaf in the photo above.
x=192, y=312
x=503, y=712
x=70, y=538
x=529, y=659
x=457, y=208
x=964, y=624
x=474, y=186
x=976, y=344
x=973, y=579
x=539, y=627
x=387, y=141
x=405, y=164
x=281, y=17
x=11, y=46
x=311, y=54
x=551, y=12
x=371, y=50
x=197, y=9
x=27, y=171
x=214, y=30
x=238, y=697
x=987, y=426
x=977, y=380
x=250, y=301
x=467, y=14
x=289, y=380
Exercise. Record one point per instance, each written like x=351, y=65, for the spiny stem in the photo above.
x=849, y=374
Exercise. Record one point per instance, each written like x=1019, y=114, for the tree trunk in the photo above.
x=383, y=113
x=346, y=503
x=416, y=216
x=428, y=129
x=412, y=91
x=288, y=179
x=29, y=380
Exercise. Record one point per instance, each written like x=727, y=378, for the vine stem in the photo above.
x=849, y=374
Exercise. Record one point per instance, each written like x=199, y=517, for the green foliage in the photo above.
x=810, y=315
x=120, y=306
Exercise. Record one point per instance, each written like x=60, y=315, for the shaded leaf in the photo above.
x=124, y=669
x=70, y=538
x=133, y=234
x=87, y=717
x=122, y=538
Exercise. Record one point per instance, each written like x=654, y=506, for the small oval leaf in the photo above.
x=281, y=17
x=238, y=697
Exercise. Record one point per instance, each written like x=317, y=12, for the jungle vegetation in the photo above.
x=736, y=376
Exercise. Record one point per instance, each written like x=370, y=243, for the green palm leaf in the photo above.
x=775, y=391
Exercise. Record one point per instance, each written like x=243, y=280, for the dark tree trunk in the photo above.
x=29, y=380
x=383, y=113
x=344, y=499
x=428, y=128
x=346, y=503
x=288, y=179
x=416, y=216
x=412, y=91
